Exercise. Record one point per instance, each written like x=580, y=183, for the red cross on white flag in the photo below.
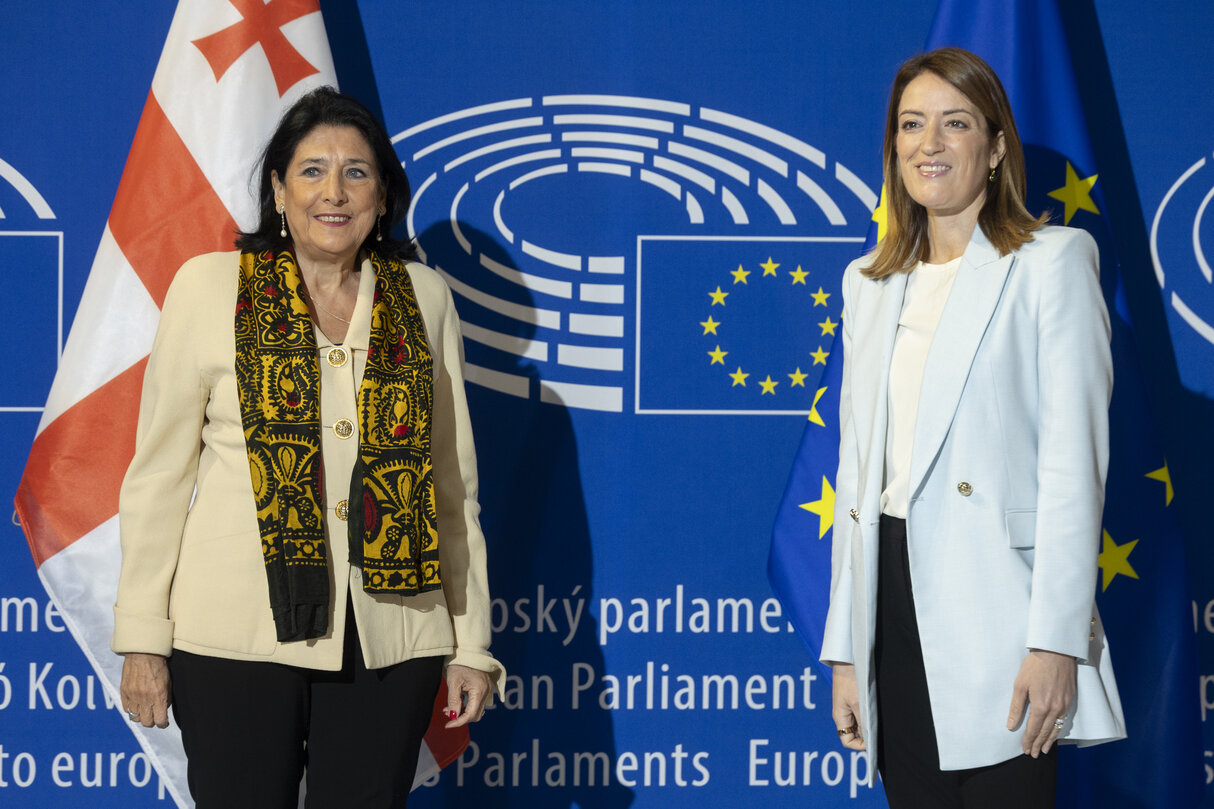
x=261, y=23
x=228, y=70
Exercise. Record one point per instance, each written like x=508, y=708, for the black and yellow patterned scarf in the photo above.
x=393, y=519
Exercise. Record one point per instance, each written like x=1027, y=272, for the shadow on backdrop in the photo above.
x=533, y=750
x=351, y=56
x=1185, y=418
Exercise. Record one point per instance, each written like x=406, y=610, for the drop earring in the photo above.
x=379, y=235
x=991, y=178
x=282, y=213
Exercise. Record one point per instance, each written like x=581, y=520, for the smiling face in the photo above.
x=331, y=193
x=945, y=153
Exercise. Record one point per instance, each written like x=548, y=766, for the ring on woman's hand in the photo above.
x=1059, y=722
x=134, y=717
x=844, y=731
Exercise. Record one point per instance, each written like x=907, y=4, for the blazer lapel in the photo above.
x=971, y=303
x=870, y=375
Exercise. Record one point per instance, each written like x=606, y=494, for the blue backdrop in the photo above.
x=644, y=210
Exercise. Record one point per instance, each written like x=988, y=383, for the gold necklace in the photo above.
x=317, y=303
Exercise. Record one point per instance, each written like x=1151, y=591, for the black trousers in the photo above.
x=250, y=729
x=907, y=755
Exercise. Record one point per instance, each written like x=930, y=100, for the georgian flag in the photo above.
x=228, y=70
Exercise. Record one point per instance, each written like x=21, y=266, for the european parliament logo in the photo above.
x=627, y=254
x=1184, y=273
x=31, y=284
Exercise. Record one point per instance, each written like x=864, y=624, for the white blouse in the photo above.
x=927, y=290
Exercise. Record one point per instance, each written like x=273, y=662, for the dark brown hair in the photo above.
x=1004, y=219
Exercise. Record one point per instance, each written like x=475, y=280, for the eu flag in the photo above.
x=798, y=565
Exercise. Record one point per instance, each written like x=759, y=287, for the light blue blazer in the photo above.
x=1006, y=489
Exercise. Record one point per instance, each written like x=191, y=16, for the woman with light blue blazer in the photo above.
x=962, y=629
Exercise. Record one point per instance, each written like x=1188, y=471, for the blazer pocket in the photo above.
x=1021, y=525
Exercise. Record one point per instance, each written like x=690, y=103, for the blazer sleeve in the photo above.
x=1075, y=377
x=159, y=483
x=837, y=636
x=461, y=544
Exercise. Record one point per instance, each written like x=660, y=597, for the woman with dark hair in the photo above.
x=973, y=413
x=301, y=551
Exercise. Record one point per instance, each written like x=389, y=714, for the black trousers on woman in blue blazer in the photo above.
x=907, y=752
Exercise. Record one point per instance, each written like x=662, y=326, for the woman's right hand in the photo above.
x=845, y=708
x=146, y=689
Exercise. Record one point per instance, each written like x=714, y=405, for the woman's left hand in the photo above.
x=468, y=693
x=1046, y=683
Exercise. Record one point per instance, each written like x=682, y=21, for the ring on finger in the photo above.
x=1059, y=722
x=133, y=716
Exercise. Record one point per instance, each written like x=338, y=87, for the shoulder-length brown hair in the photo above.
x=1003, y=218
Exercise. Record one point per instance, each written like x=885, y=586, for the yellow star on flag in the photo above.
x=718, y=296
x=820, y=297
x=881, y=216
x=798, y=275
x=1076, y=194
x=738, y=377
x=798, y=378
x=768, y=385
x=769, y=267
x=1114, y=559
x=819, y=356
x=827, y=326
x=824, y=507
x=718, y=356
x=814, y=416
x=1162, y=474
x=739, y=275
x=710, y=325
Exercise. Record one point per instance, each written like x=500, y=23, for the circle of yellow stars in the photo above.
x=718, y=297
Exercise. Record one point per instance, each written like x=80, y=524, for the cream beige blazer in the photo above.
x=192, y=573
